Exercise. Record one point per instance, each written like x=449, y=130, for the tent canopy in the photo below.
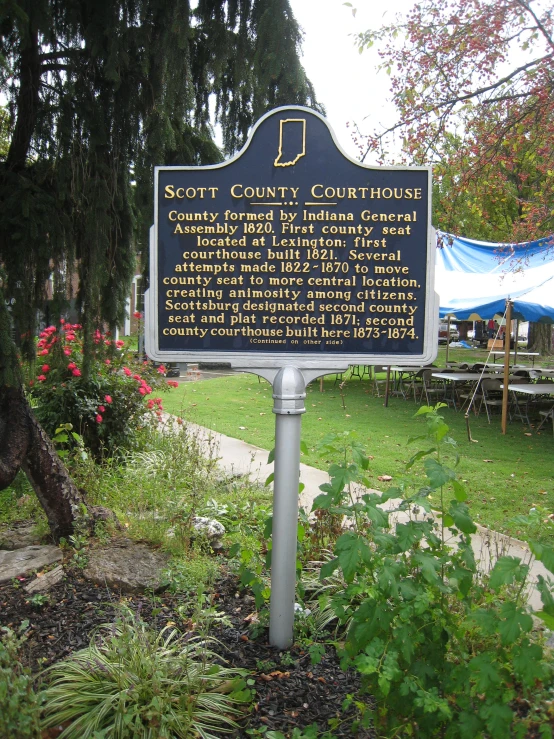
x=475, y=278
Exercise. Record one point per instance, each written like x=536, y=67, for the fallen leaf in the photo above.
x=243, y=428
x=528, y=434
x=487, y=460
x=384, y=478
x=347, y=415
x=244, y=637
x=543, y=492
x=262, y=414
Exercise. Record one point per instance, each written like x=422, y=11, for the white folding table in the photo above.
x=532, y=391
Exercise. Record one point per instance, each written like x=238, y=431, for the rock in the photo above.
x=126, y=565
x=21, y=561
x=106, y=515
x=212, y=529
x=21, y=534
x=46, y=581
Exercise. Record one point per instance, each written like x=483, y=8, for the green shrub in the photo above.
x=445, y=649
x=19, y=703
x=106, y=406
x=134, y=683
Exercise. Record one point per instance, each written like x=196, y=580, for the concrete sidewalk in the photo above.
x=236, y=457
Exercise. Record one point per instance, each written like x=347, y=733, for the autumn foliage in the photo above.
x=473, y=87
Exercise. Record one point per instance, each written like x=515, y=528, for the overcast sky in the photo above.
x=345, y=80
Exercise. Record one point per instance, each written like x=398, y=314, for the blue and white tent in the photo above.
x=475, y=278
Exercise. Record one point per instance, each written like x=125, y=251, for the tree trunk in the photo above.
x=28, y=101
x=24, y=444
x=540, y=338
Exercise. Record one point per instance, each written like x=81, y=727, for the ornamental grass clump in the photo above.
x=135, y=683
x=107, y=405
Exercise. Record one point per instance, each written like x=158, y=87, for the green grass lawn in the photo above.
x=504, y=475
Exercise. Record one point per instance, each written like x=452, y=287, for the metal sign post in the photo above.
x=289, y=392
x=291, y=261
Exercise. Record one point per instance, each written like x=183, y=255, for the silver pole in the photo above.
x=289, y=392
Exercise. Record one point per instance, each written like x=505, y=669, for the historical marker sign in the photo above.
x=292, y=253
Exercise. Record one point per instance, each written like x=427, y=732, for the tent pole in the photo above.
x=515, y=341
x=447, y=341
x=506, y=366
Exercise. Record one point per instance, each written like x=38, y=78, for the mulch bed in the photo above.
x=289, y=691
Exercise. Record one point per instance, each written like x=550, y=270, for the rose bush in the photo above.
x=109, y=405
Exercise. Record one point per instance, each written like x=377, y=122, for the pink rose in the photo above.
x=71, y=366
x=43, y=353
x=99, y=418
x=141, y=390
x=127, y=371
x=41, y=378
x=76, y=372
x=108, y=398
x=101, y=408
x=45, y=367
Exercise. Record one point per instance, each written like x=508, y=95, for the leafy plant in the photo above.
x=19, y=702
x=38, y=600
x=79, y=543
x=134, y=683
x=445, y=649
x=102, y=408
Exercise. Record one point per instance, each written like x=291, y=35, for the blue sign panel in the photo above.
x=293, y=248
